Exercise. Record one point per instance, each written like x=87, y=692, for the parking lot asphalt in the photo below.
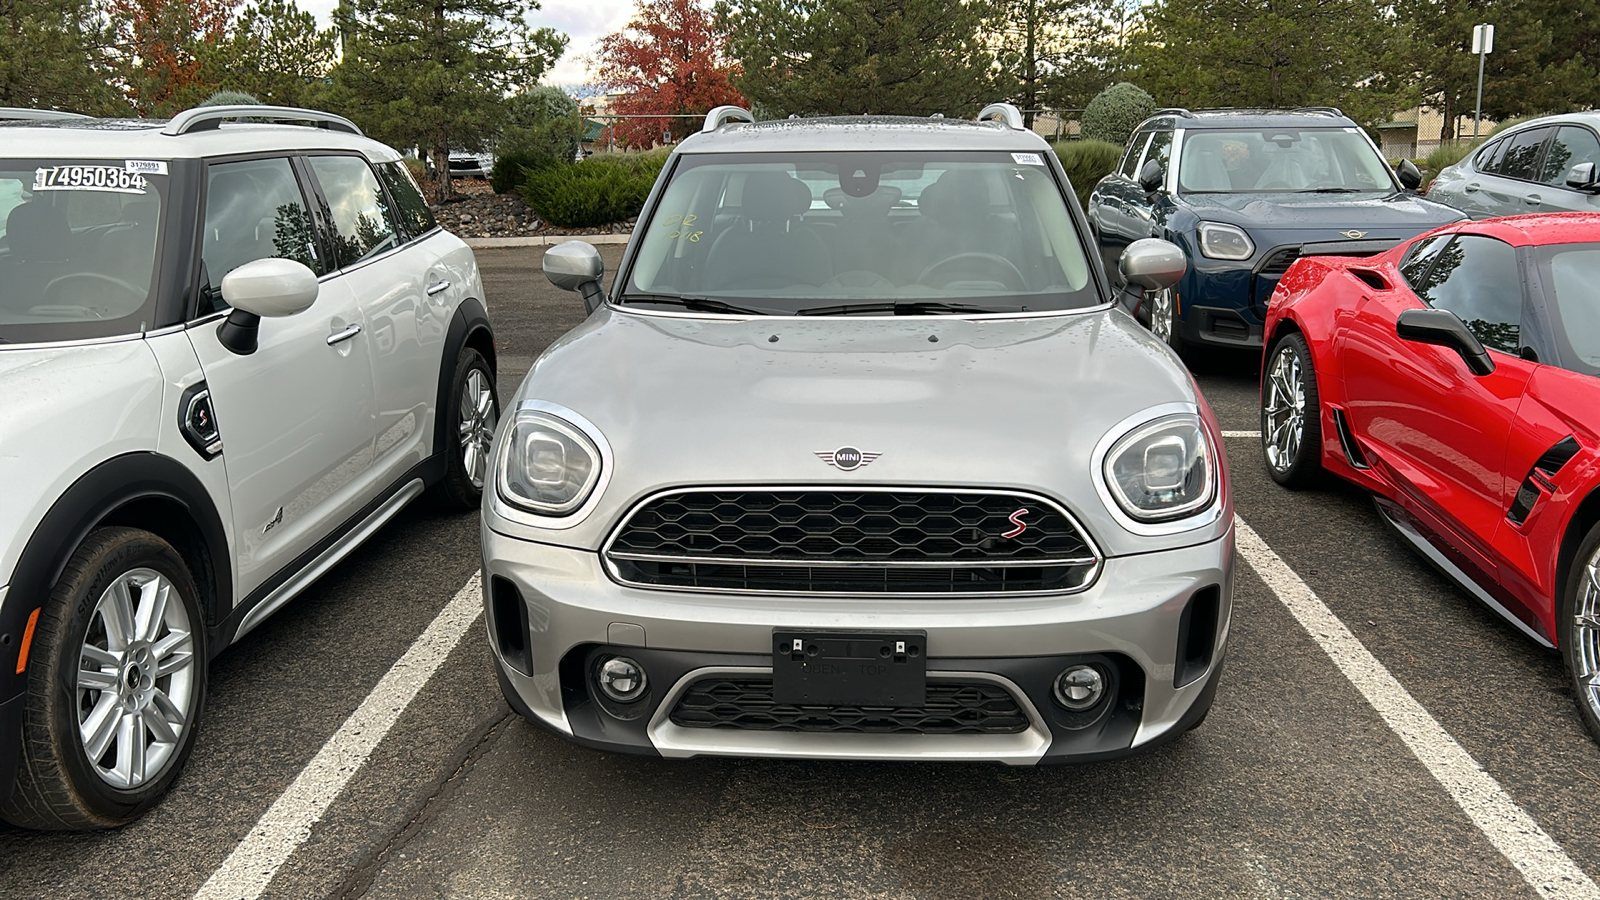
x=1295, y=786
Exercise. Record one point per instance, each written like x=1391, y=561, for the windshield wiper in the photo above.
x=908, y=308
x=699, y=304
x=1338, y=190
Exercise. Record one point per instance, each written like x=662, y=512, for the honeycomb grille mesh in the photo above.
x=851, y=542
x=746, y=704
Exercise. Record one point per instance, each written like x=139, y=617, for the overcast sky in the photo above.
x=583, y=21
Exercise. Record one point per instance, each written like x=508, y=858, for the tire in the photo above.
x=1578, y=630
x=469, y=428
x=158, y=676
x=1291, y=415
x=1165, y=323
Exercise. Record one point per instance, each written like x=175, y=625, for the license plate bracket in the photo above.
x=839, y=668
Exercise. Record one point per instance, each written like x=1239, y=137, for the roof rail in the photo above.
x=210, y=118
x=1004, y=113
x=1172, y=111
x=1321, y=110
x=19, y=114
x=722, y=115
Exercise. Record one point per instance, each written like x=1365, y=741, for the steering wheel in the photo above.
x=1010, y=276
x=99, y=281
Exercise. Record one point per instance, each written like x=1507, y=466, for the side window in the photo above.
x=1130, y=163
x=410, y=206
x=1420, y=256
x=1488, y=159
x=254, y=210
x=1522, y=154
x=1477, y=278
x=1573, y=144
x=1160, y=150
x=358, y=210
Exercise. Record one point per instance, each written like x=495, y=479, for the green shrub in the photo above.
x=510, y=168
x=607, y=188
x=231, y=98
x=1086, y=163
x=1114, y=112
x=543, y=128
x=1445, y=155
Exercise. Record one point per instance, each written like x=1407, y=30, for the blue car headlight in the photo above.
x=1222, y=241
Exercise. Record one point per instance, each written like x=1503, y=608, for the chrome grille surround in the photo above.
x=892, y=566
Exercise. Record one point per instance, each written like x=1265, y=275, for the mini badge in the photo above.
x=847, y=459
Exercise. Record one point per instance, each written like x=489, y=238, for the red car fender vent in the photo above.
x=1557, y=456
x=1538, y=483
x=1372, y=279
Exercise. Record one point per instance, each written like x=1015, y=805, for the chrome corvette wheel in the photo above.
x=478, y=420
x=1283, y=409
x=1585, y=637
x=135, y=680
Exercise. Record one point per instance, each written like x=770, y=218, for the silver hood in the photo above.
x=1017, y=403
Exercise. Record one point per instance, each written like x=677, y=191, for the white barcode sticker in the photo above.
x=147, y=166
x=1028, y=159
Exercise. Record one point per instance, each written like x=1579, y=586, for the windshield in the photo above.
x=877, y=232
x=1571, y=274
x=78, y=245
x=1276, y=160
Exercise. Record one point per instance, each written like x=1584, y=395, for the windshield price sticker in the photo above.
x=89, y=178
x=147, y=166
x=1027, y=159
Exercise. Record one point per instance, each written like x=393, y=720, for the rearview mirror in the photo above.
x=1152, y=263
x=1410, y=176
x=271, y=288
x=1443, y=328
x=1581, y=177
x=576, y=266
x=1151, y=178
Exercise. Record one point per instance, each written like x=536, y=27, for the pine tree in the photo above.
x=54, y=54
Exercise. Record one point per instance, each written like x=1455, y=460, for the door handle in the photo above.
x=1471, y=188
x=340, y=337
x=1533, y=199
x=438, y=286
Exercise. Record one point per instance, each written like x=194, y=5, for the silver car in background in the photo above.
x=1546, y=165
x=857, y=459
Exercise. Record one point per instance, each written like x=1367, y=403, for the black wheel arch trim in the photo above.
x=469, y=326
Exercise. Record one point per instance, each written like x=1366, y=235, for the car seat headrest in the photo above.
x=775, y=197
x=38, y=231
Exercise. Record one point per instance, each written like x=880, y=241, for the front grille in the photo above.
x=1278, y=261
x=746, y=704
x=886, y=541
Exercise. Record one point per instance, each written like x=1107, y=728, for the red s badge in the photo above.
x=1016, y=519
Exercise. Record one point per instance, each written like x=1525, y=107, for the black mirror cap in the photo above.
x=1410, y=176
x=1443, y=328
x=238, y=332
x=1582, y=177
x=1151, y=177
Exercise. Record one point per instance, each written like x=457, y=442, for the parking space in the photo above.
x=1296, y=785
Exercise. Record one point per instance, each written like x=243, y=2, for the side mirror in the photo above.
x=1151, y=177
x=1444, y=329
x=576, y=266
x=1153, y=264
x=271, y=288
x=1410, y=176
x=1581, y=177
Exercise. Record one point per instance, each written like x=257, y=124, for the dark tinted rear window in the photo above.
x=1522, y=154
x=411, y=206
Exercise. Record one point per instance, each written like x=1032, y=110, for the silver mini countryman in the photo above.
x=857, y=459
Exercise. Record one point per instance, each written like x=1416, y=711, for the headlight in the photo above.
x=550, y=467
x=1220, y=241
x=1163, y=470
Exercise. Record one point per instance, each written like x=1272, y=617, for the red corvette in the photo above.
x=1457, y=377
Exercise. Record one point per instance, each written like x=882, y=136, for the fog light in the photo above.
x=622, y=679
x=1079, y=687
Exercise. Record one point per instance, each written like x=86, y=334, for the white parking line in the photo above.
x=1229, y=434
x=245, y=874
x=1543, y=864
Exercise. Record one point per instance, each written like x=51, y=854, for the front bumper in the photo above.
x=551, y=611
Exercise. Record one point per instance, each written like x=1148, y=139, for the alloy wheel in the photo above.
x=1161, y=315
x=1285, y=409
x=1586, y=636
x=478, y=420
x=136, y=679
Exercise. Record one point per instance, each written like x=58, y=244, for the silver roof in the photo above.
x=859, y=133
x=142, y=139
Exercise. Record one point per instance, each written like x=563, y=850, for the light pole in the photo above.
x=1482, y=44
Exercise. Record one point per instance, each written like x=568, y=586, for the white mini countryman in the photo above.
x=229, y=352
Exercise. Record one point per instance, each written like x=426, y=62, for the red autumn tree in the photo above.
x=668, y=60
x=162, y=42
